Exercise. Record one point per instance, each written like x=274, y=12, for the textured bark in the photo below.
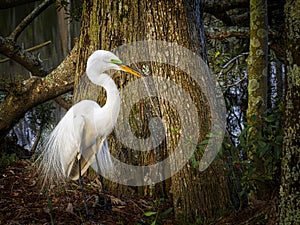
x=289, y=208
x=108, y=24
x=257, y=61
x=257, y=82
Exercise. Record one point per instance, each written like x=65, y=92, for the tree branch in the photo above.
x=226, y=32
x=233, y=20
x=240, y=19
x=63, y=103
x=220, y=33
x=221, y=10
x=29, y=50
x=12, y=50
x=36, y=90
x=223, y=17
x=29, y=18
x=220, y=6
x=5, y=4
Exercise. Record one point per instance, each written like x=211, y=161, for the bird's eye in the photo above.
x=116, y=61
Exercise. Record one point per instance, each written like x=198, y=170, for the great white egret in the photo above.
x=79, y=139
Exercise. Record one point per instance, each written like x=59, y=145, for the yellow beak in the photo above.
x=130, y=70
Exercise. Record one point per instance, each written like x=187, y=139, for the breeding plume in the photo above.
x=79, y=139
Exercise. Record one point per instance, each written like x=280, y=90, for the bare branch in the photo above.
x=223, y=16
x=220, y=33
x=226, y=32
x=29, y=50
x=221, y=10
x=29, y=18
x=5, y=4
x=240, y=19
x=220, y=6
x=233, y=20
x=63, y=103
x=12, y=50
x=232, y=60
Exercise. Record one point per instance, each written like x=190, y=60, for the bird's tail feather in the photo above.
x=53, y=166
x=50, y=168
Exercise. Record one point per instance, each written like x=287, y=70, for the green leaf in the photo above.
x=270, y=119
x=204, y=142
x=241, y=193
x=154, y=222
x=150, y=213
x=217, y=54
x=244, y=131
x=167, y=212
x=209, y=135
x=253, y=118
x=194, y=162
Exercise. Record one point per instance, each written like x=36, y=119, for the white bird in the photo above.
x=79, y=139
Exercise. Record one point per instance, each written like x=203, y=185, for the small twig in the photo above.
x=235, y=58
x=38, y=137
x=59, y=100
x=234, y=84
x=29, y=18
x=230, y=61
x=29, y=50
x=137, y=206
x=226, y=66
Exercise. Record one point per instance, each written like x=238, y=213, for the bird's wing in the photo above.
x=103, y=162
x=87, y=158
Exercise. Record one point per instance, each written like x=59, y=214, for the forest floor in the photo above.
x=23, y=202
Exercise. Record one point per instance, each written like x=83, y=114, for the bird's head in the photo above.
x=102, y=60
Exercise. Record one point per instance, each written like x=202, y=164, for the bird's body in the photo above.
x=81, y=133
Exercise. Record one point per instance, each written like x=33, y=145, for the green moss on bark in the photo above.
x=289, y=208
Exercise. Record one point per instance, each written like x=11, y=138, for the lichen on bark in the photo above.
x=289, y=207
x=257, y=85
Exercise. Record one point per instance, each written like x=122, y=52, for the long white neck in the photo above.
x=110, y=111
x=112, y=105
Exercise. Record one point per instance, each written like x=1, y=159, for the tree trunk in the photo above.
x=257, y=81
x=257, y=62
x=289, y=208
x=108, y=24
